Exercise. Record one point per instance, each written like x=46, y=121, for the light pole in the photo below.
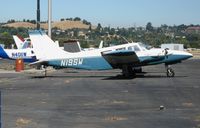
x=38, y=14
x=49, y=17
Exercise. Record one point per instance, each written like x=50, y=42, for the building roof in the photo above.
x=193, y=28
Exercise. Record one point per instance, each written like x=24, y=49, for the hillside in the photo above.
x=20, y=24
x=63, y=25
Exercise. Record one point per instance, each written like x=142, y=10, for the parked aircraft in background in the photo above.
x=27, y=54
x=24, y=50
x=88, y=49
x=125, y=57
x=22, y=43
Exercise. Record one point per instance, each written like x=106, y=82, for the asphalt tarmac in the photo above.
x=102, y=99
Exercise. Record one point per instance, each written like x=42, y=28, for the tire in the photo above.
x=138, y=70
x=128, y=72
x=170, y=72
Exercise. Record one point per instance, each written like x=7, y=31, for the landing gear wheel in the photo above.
x=137, y=69
x=45, y=70
x=170, y=72
x=127, y=71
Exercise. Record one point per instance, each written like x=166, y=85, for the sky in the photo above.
x=114, y=13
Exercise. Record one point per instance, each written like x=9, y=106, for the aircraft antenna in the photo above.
x=124, y=39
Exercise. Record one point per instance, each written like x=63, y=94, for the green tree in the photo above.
x=77, y=19
x=62, y=19
x=11, y=21
x=33, y=21
x=6, y=39
x=86, y=22
x=149, y=27
x=90, y=27
x=99, y=27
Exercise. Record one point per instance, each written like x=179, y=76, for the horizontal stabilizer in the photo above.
x=37, y=63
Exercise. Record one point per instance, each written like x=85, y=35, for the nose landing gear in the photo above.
x=170, y=72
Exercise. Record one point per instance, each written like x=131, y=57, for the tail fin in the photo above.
x=44, y=47
x=3, y=54
x=18, y=41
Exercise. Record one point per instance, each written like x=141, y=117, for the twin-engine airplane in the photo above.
x=126, y=57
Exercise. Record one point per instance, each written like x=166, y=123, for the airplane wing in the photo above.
x=118, y=58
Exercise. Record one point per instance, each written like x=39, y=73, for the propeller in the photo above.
x=166, y=52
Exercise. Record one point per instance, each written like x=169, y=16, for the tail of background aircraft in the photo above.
x=22, y=43
x=101, y=44
x=19, y=41
x=44, y=47
x=3, y=53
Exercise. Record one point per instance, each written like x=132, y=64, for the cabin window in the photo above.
x=104, y=52
x=136, y=48
x=121, y=49
x=130, y=48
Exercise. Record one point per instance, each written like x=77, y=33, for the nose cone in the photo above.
x=187, y=55
x=175, y=56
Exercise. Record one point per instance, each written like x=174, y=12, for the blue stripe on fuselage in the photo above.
x=90, y=63
x=30, y=60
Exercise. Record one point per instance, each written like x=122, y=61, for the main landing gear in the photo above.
x=170, y=72
x=43, y=68
x=45, y=71
x=128, y=71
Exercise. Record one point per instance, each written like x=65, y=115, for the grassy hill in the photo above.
x=20, y=24
x=63, y=25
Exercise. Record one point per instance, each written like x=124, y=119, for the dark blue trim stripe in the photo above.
x=3, y=53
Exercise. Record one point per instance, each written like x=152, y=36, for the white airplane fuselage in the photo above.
x=93, y=60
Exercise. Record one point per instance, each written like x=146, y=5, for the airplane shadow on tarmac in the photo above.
x=121, y=77
x=67, y=76
x=117, y=77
